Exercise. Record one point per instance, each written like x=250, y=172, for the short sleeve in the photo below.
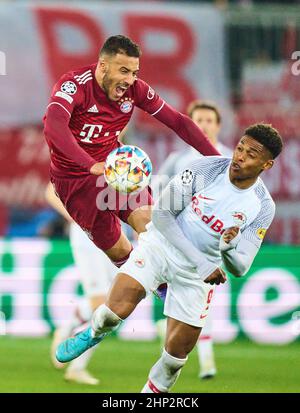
x=146, y=98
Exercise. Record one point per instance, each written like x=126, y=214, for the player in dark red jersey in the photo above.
x=88, y=109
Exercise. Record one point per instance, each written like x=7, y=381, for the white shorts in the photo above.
x=155, y=261
x=95, y=268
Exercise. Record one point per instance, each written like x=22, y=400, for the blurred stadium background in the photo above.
x=241, y=54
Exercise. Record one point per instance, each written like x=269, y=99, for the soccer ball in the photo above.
x=128, y=169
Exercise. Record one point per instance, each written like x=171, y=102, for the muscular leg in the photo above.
x=138, y=219
x=181, y=339
x=123, y=297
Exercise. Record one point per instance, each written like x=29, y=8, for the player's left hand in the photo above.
x=230, y=233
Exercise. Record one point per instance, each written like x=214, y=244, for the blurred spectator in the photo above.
x=31, y=222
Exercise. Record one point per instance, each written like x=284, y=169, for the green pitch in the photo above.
x=123, y=367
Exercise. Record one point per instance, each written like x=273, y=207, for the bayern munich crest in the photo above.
x=69, y=87
x=126, y=105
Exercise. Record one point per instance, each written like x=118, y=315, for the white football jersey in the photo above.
x=215, y=204
x=177, y=161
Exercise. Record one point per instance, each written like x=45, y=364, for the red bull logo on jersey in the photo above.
x=215, y=224
x=239, y=218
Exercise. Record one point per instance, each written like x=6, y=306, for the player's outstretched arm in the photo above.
x=186, y=129
x=148, y=100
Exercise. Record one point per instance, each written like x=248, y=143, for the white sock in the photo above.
x=164, y=374
x=206, y=353
x=81, y=362
x=104, y=320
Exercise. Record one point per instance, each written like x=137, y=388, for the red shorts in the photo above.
x=97, y=208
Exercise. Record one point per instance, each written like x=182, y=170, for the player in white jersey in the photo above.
x=214, y=213
x=206, y=116
x=96, y=273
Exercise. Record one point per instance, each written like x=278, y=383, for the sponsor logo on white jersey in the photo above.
x=215, y=224
x=93, y=109
x=205, y=198
x=69, y=87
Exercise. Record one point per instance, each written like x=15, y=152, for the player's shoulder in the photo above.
x=205, y=170
x=264, y=195
x=216, y=163
x=78, y=77
x=142, y=89
x=140, y=83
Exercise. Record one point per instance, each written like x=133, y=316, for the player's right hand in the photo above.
x=97, y=168
x=217, y=277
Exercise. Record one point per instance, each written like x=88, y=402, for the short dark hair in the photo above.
x=268, y=136
x=204, y=104
x=120, y=44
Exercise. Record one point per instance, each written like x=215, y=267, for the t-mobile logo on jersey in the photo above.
x=90, y=132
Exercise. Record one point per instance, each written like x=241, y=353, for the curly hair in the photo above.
x=268, y=136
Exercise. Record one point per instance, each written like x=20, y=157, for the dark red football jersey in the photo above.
x=95, y=121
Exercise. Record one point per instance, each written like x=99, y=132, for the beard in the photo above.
x=106, y=84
